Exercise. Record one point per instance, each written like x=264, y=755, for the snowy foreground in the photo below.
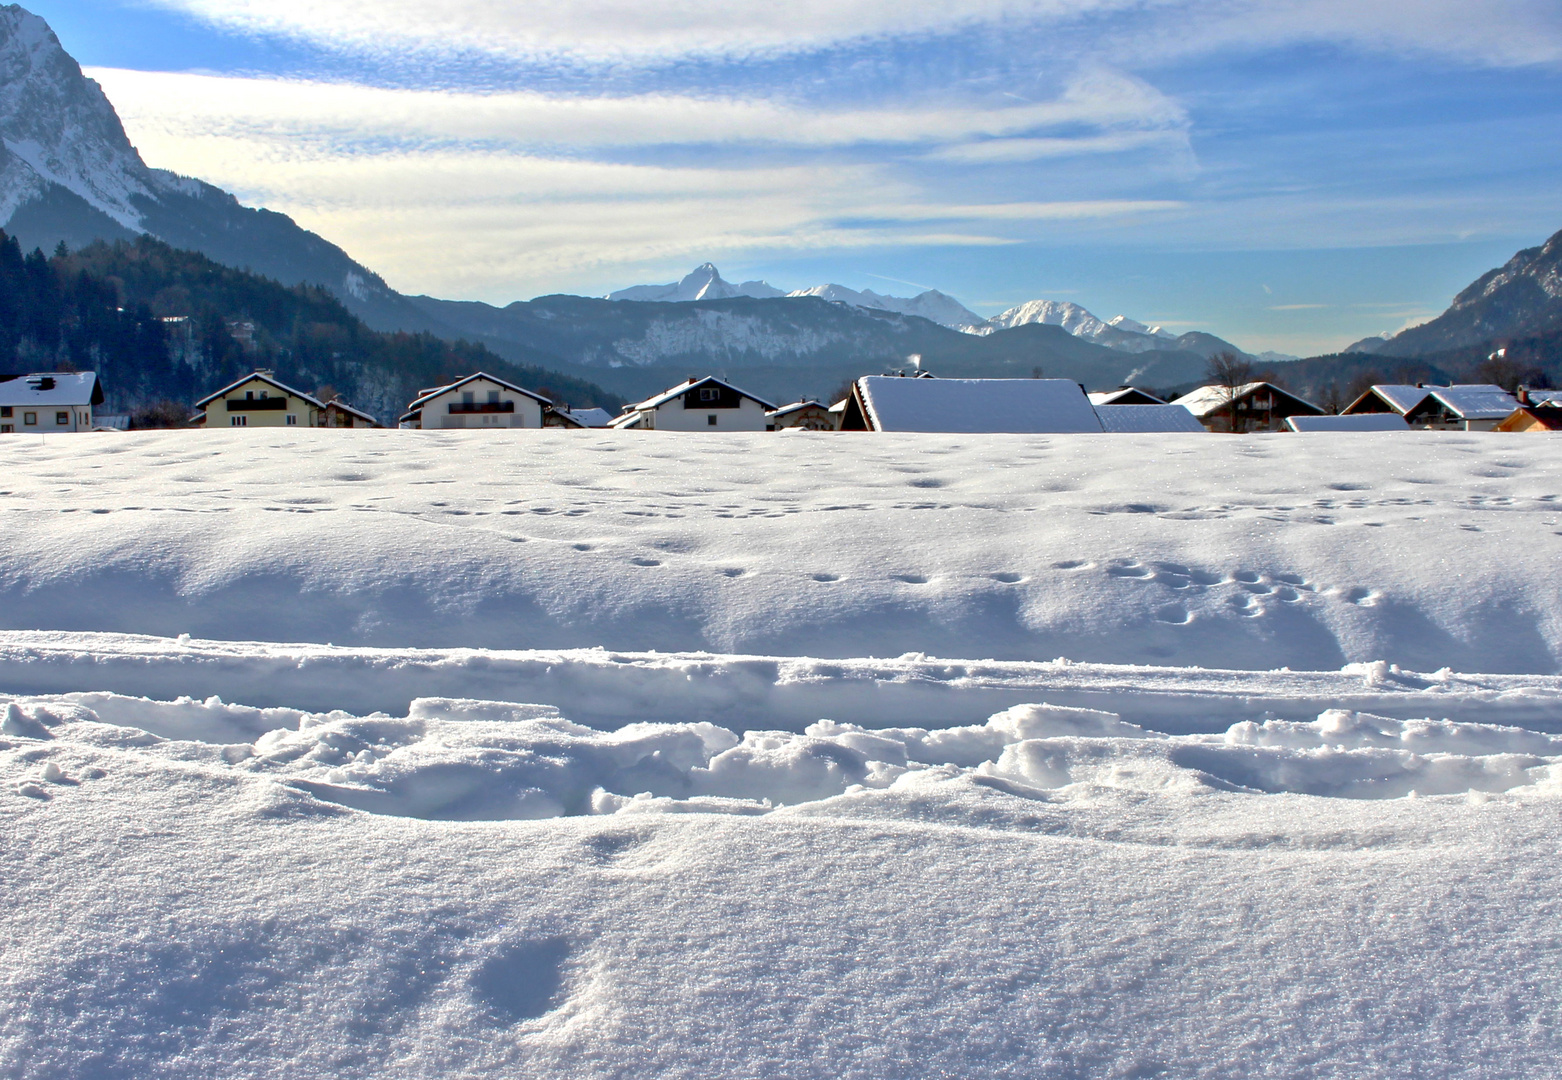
x=558, y=754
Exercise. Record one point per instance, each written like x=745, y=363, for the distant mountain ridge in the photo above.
x=1120, y=332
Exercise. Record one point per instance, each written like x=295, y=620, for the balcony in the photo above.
x=482, y=407
x=261, y=404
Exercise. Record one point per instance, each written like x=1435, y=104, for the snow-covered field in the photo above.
x=337, y=754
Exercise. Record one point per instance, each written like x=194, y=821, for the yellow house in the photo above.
x=258, y=400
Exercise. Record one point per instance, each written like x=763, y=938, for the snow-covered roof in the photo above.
x=49, y=388
x=434, y=392
x=1369, y=421
x=1476, y=401
x=796, y=406
x=684, y=387
x=626, y=421
x=1546, y=397
x=262, y=377
x=1113, y=397
x=975, y=406
x=1207, y=399
x=1401, y=397
x=589, y=418
x=1131, y=419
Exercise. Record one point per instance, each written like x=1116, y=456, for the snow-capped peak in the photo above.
x=1134, y=326
x=703, y=283
x=57, y=127
x=931, y=305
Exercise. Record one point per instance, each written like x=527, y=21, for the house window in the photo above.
x=7, y=429
x=264, y=395
x=30, y=418
x=62, y=419
x=711, y=419
x=292, y=419
x=5, y=411
x=467, y=397
x=493, y=397
x=249, y=395
x=239, y=421
x=710, y=393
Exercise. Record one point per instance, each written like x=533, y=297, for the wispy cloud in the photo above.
x=192, y=103
x=1496, y=31
x=473, y=194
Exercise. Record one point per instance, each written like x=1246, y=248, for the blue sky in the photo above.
x=1291, y=174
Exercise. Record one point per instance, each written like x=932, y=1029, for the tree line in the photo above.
x=164, y=327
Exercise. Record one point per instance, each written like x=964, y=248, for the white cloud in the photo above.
x=1492, y=31
x=471, y=195
x=191, y=103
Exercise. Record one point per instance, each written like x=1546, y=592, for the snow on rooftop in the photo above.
x=1384, y=421
x=591, y=418
x=48, y=389
x=1401, y=396
x=975, y=406
x=674, y=392
x=1476, y=401
x=1126, y=419
x=1112, y=397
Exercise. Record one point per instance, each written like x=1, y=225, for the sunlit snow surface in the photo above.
x=566, y=754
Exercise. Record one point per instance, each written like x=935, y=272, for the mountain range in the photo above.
x=1120, y=332
x=68, y=173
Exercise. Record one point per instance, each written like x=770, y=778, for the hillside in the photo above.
x=162, y=324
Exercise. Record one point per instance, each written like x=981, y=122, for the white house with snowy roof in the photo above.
x=258, y=400
x=1466, y=407
x=49, y=401
x=969, y=406
x=708, y=404
x=477, y=401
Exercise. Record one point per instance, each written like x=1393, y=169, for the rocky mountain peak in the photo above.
x=57, y=124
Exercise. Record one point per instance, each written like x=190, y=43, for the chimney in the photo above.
x=1523, y=395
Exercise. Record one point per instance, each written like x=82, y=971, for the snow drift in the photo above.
x=1425, y=550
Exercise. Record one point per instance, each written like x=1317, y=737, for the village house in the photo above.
x=338, y=414
x=477, y=401
x=968, y=406
x=1539, y=410
x=52, y=401
x=1396, y=398
x=708, y=404
x=1468, y=407
x=1256, y=406
x=258, y=400
x=802, y=416
x=577, y=418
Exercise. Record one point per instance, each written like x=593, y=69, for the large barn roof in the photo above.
x=1372, y=421
x=977, y=406
x=1140, y=419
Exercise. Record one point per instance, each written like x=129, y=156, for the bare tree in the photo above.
x=1230, y=373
